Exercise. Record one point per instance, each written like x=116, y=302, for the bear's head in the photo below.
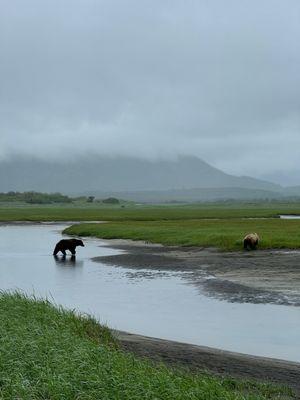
x=79, y=242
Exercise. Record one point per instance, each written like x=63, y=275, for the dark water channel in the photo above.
x=154, y=304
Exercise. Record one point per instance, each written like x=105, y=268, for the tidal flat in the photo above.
x=260, y=277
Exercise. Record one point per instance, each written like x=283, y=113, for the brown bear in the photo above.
x=67, y=244
x=251, y=241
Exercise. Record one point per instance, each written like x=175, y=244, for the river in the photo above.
x=155, y=304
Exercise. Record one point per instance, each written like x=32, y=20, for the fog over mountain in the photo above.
x=103, y=174
x=218, y=80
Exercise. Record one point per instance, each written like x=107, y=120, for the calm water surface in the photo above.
x=289, y=216
x=154, y=304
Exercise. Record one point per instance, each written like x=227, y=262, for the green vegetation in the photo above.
x=111, y=200
x=81, y=210
x=221, y=225
x=34, y=198
x=24, y=198
x=50, y=353
x=223, y=234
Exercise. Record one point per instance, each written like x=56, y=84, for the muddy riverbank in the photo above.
x=259, y=277
x=220, y=362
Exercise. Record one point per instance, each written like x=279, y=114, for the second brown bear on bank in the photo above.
x=67, y=244
x=251, y=241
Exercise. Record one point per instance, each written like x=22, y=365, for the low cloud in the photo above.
x=219, y=80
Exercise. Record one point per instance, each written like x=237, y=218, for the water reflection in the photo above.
x=67, y=261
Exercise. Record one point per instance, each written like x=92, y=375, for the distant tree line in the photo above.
x=34, y=197
x=111, y=200
x=92, y=199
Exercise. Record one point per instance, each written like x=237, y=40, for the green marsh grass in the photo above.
x=225, y=234
x=50, y=353
x=95, y=212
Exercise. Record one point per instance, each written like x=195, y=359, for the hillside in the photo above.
x=104, y=174
x=191, y=195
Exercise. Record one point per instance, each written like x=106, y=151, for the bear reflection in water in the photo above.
x=64, y=261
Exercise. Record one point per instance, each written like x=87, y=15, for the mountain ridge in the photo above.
x=119, y=174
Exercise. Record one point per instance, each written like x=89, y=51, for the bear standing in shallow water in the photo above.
x=67, y=244
x=251, y=240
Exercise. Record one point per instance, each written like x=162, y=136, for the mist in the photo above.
x=217, y=80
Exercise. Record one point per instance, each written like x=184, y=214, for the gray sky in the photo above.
x=212, y=78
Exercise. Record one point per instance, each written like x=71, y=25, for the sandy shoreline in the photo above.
x=220, y=362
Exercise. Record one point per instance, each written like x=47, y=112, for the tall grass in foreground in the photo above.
x=50, y=353
x=226, y=234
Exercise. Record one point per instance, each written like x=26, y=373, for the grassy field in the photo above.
x=96, y=212
x=50, y=353
x=221, y=225
x=226, y=234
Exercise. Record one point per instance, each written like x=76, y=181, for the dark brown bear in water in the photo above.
x=67, y=244
x=251, y=241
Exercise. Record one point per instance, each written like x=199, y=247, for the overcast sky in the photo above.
x=212, y=78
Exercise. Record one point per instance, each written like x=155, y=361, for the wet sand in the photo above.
x=219, y=362
x=259, y=277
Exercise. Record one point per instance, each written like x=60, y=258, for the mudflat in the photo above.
x=220, y=362
x=262, y=276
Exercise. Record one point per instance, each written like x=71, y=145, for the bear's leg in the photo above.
x=246, y=244
x=63, y=251
x=72, y=250
x=56, y=250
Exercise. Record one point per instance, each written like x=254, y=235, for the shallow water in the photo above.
x=151, y=303
x=289, y=216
